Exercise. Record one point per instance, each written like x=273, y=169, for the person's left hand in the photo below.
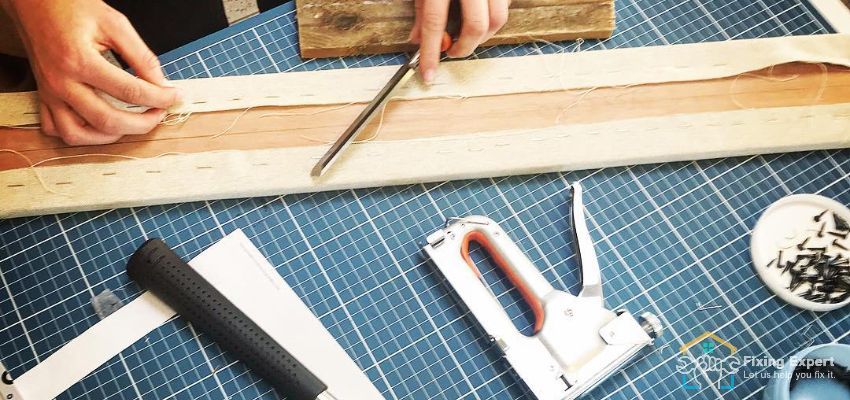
x=481, y=20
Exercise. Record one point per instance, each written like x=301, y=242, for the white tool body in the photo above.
x=577, y=341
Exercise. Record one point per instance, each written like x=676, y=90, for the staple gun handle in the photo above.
x=517, y=267
x=591, y=277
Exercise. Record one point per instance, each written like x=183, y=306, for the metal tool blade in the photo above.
x=363, y=119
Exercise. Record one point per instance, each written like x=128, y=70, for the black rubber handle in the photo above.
x=155, y=267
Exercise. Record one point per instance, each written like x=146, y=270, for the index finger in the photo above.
x=434, y=16
x=127, y=88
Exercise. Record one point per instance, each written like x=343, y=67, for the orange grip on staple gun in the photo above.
x=530, y=299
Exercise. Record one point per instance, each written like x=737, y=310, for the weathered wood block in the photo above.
x=352, y=27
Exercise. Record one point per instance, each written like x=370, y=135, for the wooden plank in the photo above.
x=519, y=133
x=348, y=27
x=210, y=175
x=710, y=100
x=305, y=126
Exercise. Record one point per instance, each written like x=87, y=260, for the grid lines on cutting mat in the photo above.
x=671, y=238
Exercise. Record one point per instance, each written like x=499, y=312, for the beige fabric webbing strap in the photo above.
x=237, y=269
x=231, y=174
x=241, y=173
x=494, y=76
x=835, y=12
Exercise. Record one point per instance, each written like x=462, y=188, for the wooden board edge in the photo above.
x=285, y=171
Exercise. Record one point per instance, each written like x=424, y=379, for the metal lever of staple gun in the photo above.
x=577, y=342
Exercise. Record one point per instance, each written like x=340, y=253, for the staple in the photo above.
x=153, y=172
x=788, y=266
x=109, y=173
x=840, y=223
x=821, y=230
x=62, y=183
x=203, y=167
x=796, y=281
x=839, y=235
x=815, y=296
x=17, y=185
x=771, y=263
x=841, y=298
x=828, y=272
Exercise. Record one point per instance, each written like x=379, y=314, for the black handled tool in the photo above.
x=155, y=267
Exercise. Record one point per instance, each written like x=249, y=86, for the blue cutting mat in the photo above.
x=670, y=238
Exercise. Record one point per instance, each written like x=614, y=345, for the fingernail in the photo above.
x=428, y=76
x=178, y=98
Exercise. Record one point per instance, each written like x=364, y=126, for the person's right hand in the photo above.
x=64, y=40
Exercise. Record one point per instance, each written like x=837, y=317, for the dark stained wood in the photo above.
x=334, y=28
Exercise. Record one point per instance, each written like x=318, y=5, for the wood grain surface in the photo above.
x=789, y=85
x=351, y=27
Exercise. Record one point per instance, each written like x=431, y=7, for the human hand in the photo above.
x=481, y=19
x=64, y=40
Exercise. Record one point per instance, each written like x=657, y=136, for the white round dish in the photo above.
x=781, y=227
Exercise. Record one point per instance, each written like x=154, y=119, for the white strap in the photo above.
x=237, y=269
x=835, y=12
x=95, y=346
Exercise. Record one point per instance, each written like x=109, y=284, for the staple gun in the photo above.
x=577, y=342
